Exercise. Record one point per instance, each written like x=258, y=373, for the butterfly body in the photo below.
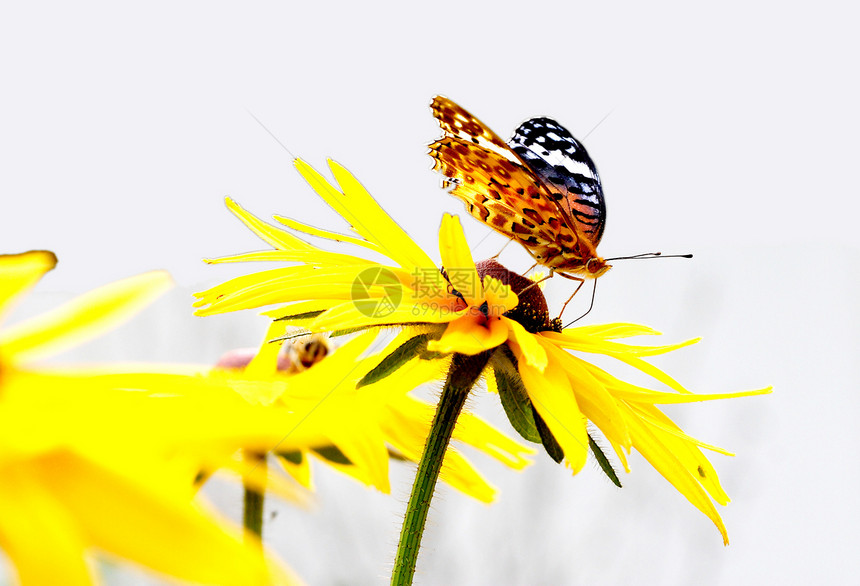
x=540, y=189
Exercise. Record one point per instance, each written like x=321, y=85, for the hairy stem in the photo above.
x=462, y=375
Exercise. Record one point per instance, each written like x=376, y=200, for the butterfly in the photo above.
x=540, y=188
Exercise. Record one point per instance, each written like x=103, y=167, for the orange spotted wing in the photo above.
x=530, y=197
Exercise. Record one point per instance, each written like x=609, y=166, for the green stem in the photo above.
x=463, y=374
x=253, y=503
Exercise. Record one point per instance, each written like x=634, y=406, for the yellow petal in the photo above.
x=460, y=474
x=311, y=257
x=357, y=473
x=364, y=446
x=279, y=239
x=457, y=261
x=592, y=396
x=621, y=452
x=83, y=318
x=666, y=462
x=588, y=343
x=685, y=448
x=474, y=431
x=242, y=292
x=653, y=371
x=626, y=353
x=365, y=216
x=327, y=234
x=631, y=393
x=20, y=272
x=500, y=298
x=289, y=284
x=555, y=402
x=265, y=362
x=300, y=469
x=247, y=469
x=471, y=334
x=658, y=420
x=32, y=523
x=264, y=365
x=393, y=240
x=159, y=529
x=612, y=331
x=526, y=345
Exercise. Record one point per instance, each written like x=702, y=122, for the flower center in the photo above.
x=532, y=311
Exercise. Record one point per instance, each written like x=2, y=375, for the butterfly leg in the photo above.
x=578, y=287
x=536, y=283
x=575, y=291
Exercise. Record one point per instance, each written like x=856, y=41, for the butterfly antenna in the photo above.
x=590, y=307
x=272, y=134
x=598, y=124
x=650, y=255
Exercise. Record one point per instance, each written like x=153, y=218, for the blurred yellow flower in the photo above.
x=101, y=460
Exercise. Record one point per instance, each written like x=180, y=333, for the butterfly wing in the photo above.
x=562, y=163
x=501, y=191
x=456, y=122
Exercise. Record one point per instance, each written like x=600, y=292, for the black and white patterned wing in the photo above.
x=563, y=164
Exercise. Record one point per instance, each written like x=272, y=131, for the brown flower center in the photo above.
x=532, y=311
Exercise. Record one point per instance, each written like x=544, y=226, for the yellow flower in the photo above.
x=99, y=459
x=458, y=307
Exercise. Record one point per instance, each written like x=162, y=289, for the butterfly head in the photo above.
x=595, y=267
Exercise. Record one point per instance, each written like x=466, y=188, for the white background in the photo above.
x=731, y=134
